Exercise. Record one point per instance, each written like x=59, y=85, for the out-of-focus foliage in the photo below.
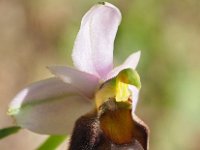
x=52, y=143
x=38, y=33
x=8, y=131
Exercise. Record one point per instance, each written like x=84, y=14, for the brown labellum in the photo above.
x=87, y=134
x=113, y=127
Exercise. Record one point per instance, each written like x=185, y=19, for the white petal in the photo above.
x=135, y=94
x=93, y=48
x=85, y=82
x=49, y=107
x=130, y=62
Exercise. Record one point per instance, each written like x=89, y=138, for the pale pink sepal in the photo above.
x=85, y=82
x=49, y=107
x=130, y=62
x=93, y=48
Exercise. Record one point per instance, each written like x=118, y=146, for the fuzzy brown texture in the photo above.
x=113, y=127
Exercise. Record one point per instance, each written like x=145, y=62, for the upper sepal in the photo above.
x=93, y=47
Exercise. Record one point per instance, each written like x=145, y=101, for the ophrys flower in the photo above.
x=53, y=105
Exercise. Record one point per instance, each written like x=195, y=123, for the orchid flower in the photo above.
x=52, y=106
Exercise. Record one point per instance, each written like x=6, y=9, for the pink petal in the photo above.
x=85, y=82
x=49, y=107
x=93, y=48
x=130, y=62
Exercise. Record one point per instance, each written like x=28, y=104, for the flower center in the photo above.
x=118, y=88
x=114, y=106
x=122, y=92
x=113, y=88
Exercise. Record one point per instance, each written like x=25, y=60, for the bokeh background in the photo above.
x=38, y=33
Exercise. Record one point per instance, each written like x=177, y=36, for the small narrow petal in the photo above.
x=130, y=62
x=135, y=94
x=49, y=107
x=85, y=82
x=93, y=48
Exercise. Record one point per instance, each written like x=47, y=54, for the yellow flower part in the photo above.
x=122, y=91
x=106, y=91
x=118, y=87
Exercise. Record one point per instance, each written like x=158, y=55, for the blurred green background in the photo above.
x=39, y=33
